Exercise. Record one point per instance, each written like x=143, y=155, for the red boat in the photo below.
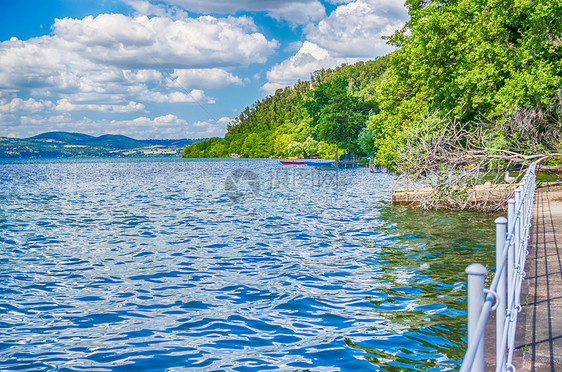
x=291, y=162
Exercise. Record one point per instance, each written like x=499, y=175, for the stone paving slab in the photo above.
x=540, y=326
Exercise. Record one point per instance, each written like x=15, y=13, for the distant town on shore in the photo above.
x=64, y=144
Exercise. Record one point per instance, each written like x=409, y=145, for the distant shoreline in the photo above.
x=55, y=145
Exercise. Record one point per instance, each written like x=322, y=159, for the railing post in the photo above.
x=514, y=230
x=510, y=247
x=517, y=195
x=475, y=291
x=501, y=231
x=514, y=303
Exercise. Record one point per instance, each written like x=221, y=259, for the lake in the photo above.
x=227, y=265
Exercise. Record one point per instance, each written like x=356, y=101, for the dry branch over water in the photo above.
x=445, y=163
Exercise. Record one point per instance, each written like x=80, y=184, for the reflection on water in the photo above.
x=423, y=267
x=150, y=265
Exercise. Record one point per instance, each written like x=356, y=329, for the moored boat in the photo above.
x=292, y=162
x=318, y=163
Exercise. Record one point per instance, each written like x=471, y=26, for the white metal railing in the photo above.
x=504, y=294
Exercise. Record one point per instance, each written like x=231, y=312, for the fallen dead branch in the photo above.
x=453, y=161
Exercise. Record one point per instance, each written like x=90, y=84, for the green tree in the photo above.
x=292, y=113
x=337, y=115
x=366, y=140
x=191, y=152
x=295, y=148
x=326, y=150
x=470, y=60
x=310, y=147
x=218, y=150
x=280, y=144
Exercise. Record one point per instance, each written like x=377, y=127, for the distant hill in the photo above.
x=117, y=142
x=65, y=144
x=108, y=141
x=64, y=137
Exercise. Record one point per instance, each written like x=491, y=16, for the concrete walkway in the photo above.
x=540, y=323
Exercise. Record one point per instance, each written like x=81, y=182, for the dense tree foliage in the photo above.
x=469, y=60
x=490, y=67
x=284, y=124
x=338, y=116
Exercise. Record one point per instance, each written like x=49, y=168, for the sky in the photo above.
x=172, y=68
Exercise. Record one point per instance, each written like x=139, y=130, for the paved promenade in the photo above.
x=540, y=327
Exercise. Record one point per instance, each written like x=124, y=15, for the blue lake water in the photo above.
x=234, y=265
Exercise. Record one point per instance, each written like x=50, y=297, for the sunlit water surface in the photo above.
x=155, y=265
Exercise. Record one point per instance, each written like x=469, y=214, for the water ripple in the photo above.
x=112, y=265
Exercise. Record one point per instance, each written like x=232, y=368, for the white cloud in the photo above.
x=356, y=29
x=207, y=129
x=158, y=42
x=339, y=1
x=45, y=120
x=29, y=125
x=292, y=11
x=110, y=53
x=309, y=58
x=166, y=126
x=212, y=78
x=143, y=7
x=299, y=12
x=196, y=95
x=65, y=105
x=143, y=76
x=18, y=105
x=351, y=33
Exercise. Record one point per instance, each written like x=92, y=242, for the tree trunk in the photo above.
x=539, y=106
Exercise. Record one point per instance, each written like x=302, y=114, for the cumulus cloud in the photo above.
x=351, y=33
x=298, y=12
x=18, y=105
x=113, y=63
x=293, y=11
x=141, y=127
x=196, y=95
x=166, y=126
x=65, y=105
x=29, y=124
x=104, y=54
x=211, y=78
x=207, y=129
x=309, y=58
x=142, y=76
x=158, y=42
x=356, y=29
x=339, y=1
x=143, y=7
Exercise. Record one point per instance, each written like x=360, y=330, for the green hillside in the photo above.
x=487, y=73
x=65, y=144
x=63, y=137
x=293, y=121
x=114, y=141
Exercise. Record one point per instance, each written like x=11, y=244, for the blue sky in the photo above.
x=173, y=68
